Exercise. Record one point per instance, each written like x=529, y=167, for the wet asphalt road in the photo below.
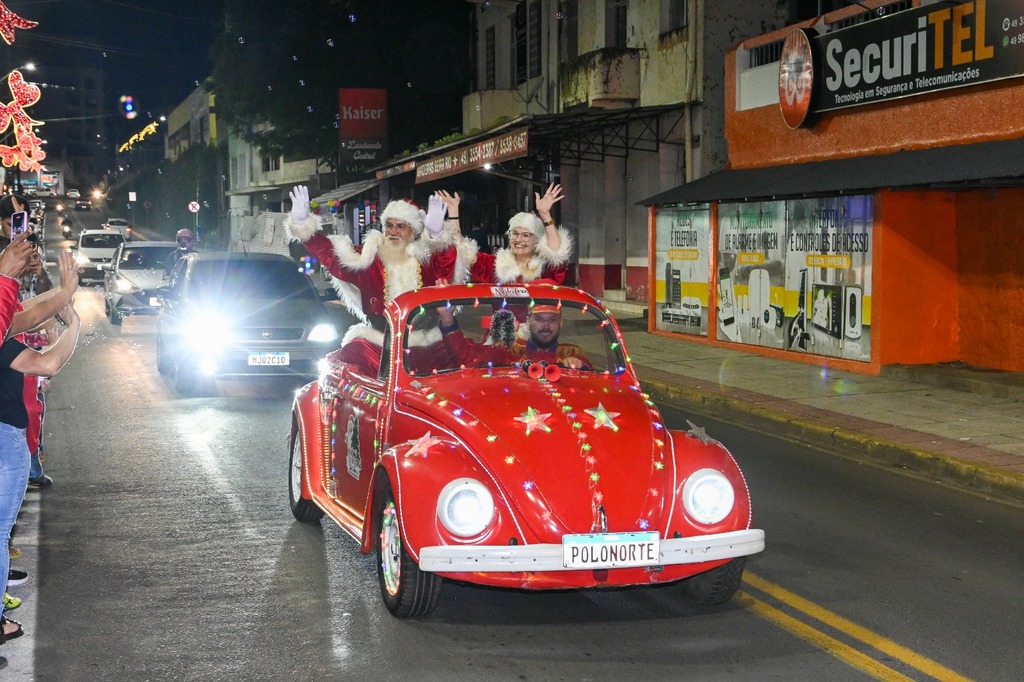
x=166, y=551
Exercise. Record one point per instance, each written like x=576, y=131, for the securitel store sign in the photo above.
x=934, y=47
x=510, y=145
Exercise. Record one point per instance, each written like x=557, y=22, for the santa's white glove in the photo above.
x=300, y=203
x=436, y=211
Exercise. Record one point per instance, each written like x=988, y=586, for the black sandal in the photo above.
x=4, y=635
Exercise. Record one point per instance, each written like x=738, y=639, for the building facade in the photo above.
x=615, y=99
x=871, y=212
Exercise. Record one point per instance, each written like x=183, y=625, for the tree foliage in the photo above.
x=278, y=67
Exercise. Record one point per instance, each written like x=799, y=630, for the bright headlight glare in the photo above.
x=708, y=496
x=207, y=331
x=323, y=332
x=124, y=285
x=465, y=507
x=82, y=259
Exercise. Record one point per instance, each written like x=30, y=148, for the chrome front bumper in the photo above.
x=535, y=558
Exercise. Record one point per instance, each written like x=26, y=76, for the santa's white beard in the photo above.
x=392, y=253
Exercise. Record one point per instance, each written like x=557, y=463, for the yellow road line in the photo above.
x=833, y=646
x=858, y=632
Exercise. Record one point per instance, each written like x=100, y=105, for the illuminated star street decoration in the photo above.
x=603, y=417
x=419, y=447
x=534, y=420
x=10, y=21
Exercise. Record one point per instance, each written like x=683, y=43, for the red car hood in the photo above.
x=587, y=459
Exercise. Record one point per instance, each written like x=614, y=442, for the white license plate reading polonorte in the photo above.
x=268, y=358
x=610, y=550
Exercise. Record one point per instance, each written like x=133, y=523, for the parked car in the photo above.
x=497, y=465
x=236, y=314
x=131, y=279
x=95, y=247
x=120, y=225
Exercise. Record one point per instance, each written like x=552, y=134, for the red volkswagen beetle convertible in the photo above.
x=500, y=436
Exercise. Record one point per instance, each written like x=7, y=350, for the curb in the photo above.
x=694, y=397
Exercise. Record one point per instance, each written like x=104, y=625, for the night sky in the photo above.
x=153, y=50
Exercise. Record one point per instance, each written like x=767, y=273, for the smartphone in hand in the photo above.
x=19, y=223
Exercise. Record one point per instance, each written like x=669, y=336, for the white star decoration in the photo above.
x=534, y=420
x=603, y=417
x=420, y=447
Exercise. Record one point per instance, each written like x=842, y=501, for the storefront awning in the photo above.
x=983, y=164
x=346, y=191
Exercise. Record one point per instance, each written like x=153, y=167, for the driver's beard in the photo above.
x=392, y=254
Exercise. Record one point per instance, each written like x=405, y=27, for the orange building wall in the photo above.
x=990, y=242
x=915, y=279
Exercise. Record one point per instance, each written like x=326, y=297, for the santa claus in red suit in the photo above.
x=413, y=250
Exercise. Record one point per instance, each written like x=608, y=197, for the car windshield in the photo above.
x=101, y=241
x=487, y=333
x=250, y=279
x=142, y=258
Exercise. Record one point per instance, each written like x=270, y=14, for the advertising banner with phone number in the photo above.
x=681, y=265
x=796, y=275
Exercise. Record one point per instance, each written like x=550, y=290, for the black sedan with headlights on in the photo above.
x=236, y=315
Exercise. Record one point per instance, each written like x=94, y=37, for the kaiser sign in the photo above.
x=362, y=127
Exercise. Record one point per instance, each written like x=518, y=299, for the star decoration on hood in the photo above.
x=534, y=420
x=419, y=447
x=603, y=417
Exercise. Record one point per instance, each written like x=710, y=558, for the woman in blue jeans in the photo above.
x=17, y=360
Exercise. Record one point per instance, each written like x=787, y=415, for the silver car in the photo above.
x=130, y=280
x=236, y=314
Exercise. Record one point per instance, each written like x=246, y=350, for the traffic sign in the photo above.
x=193, y=206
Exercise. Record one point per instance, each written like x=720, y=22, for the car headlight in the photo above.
x=465, y=507
x=207, y=331
x=124, y=286
x=708, y=496
x=323, y=332
x=82, y=259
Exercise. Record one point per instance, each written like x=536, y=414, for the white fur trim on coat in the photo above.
x=363, y=331
x=559, y=256
x=507, y=268
x=302, y=230
x=465, y=255
x=347, y=254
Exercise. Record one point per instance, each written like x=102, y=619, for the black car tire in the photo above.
x=407, y=591
x=716, y=586
x=302, y=509
x=164, y=365
x=114, y=316
x=185, y=378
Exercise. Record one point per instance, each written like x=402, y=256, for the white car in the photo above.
x=120, y=225
x=131, y=279
x=94, y=248
x=74, y=194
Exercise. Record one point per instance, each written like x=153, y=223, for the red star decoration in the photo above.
x=10, y=21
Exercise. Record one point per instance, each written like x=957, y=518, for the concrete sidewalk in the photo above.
x=955, y=424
